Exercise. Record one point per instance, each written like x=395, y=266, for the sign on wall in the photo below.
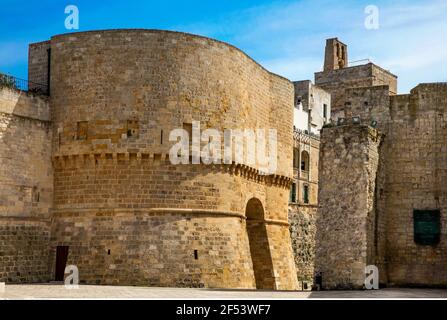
x=427, y=227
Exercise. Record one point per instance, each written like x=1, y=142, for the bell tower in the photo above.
x=336, y=55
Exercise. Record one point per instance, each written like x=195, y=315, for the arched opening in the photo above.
x=304, y=161
x=296, y=157
x=259, y=245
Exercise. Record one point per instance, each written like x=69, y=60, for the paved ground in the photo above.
x=56, y=291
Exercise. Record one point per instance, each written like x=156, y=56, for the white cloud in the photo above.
x=289, y=37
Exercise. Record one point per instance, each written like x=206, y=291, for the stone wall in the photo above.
x=186, y=78
x=150, y=248
x=370, y=104
x=38, y=64
x=416, y=171
x=337, y=81
x=24, y=250
x=116, y=96
x=302, y=221
x=26, y=186
x=345, y=234
x=302, y=215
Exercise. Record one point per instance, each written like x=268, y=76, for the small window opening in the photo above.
x=306, y=194
x=292, y=197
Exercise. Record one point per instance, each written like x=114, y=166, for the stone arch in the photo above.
x=259, y=245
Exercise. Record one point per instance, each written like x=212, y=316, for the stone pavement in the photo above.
x=57, y=291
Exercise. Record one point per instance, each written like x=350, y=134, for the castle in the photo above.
x=86, y=178
x=381, y=181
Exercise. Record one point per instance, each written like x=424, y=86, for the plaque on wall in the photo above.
x=427, y=227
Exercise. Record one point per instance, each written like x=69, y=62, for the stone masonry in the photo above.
x=26, y=188
x=345, y=221
x=121, y=212
x=85, y=176
x=407, y=178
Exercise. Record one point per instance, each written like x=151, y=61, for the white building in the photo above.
x=312, y=107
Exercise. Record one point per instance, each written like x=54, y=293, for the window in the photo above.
x=306, y=194
x=427, y=227
x=325, y=111
x=296, y=157
x=304, y=161
x=132, y=128
x=292, y=197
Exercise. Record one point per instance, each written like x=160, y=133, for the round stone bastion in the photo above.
x=123, y=213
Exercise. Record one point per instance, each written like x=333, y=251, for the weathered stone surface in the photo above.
x=411, y=167
x=26, y=186
x=302, y=221
x=338, y=76
x=415, y=166
x=349, y=158
x=127, y=215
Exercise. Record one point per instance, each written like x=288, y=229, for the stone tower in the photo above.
x=336, y=55
x=346, y=219
x=381, y=197
x=122, y=212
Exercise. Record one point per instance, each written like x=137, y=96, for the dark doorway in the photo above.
x=61, y=262
x=259, y=245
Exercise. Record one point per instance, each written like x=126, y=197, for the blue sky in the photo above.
x=285, y=36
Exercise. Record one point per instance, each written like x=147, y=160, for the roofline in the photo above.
x=361, y=65
x=172, y=32
x=336, y=38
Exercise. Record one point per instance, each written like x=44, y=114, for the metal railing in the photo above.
x=304, y=136
x=12, y=82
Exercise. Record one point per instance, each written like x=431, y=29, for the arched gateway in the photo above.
x=259, y=245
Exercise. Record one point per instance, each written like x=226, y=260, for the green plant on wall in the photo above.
x=7, y=81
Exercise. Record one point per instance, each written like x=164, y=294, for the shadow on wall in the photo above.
x=259, y=245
